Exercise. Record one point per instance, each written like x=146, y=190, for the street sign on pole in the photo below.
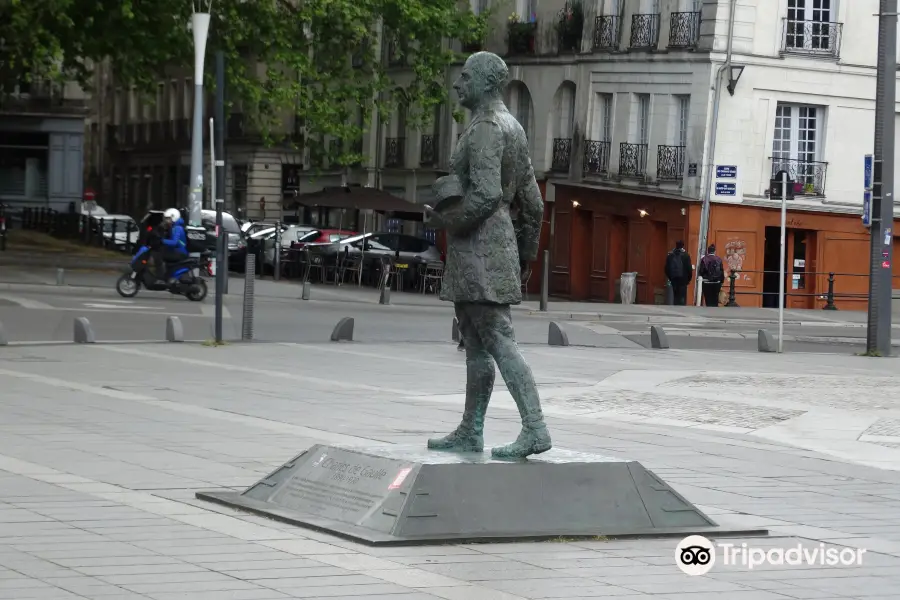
x=867, y=191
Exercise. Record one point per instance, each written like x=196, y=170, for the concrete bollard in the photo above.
x=84, y=333
x=454, y=330
x=658, y=338
x=307, y=288
x=249, y=281
x=174, y=330
x=765, y=341
x=556, y=336
x=60, y=276
x=4, y=341
x=343, y=331
x=385, y=297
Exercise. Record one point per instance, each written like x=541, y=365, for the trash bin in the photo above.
x=629, y=281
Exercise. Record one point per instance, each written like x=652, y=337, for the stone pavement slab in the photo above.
x=103, y=448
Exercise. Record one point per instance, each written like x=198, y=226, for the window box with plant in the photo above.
x=570, y=26
x=520, y=34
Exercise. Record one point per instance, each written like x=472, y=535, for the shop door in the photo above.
x=801, y=268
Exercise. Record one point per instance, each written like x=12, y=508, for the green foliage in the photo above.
x=283, y=57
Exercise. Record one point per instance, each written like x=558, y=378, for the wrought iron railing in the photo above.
x=632, y=160
x=670, y=163
x=562, y=155
x=808, y=175
x=596, y=158
x=394, y=152
x=428, y=151
x=684, y=29
x=812, y=37
x=606, y=33
x=644, y=31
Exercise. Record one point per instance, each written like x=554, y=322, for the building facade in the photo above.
x=41, y=146
x=617, y=97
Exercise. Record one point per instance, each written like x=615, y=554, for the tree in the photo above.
x=316, y=59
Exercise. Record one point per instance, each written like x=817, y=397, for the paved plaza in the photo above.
x=103, y=447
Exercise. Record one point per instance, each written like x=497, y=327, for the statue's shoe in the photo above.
x=458, y=441
x=533, y=439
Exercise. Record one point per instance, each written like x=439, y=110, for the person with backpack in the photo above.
x=679, y=271
x=712, y=270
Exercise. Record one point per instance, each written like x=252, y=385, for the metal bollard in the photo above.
x=249, y=279
x=545, y=281
x=732, y=301
x=60, y=276
x=276, y=253
x=829, y=304
x=2, y=234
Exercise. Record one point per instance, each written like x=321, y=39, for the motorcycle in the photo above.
x=186, y=274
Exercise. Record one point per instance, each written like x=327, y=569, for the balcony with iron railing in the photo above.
x=606, y=33
x=670, y=163
x=562, y=155
x=816, y=38
x=684, y=29
x=393, y=53
x=428, y=150
x=644, y=32
x=632, y=160
x=394, y=152
x=808, y=175
x=521, y=38
x=596, y=158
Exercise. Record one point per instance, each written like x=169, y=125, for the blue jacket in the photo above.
x=177, y=239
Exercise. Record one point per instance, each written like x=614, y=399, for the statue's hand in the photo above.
x=433, y=218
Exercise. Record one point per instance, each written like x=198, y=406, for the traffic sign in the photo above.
x=89, y=194
x=867, y=172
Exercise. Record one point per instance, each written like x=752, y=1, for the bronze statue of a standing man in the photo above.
x=491, y=237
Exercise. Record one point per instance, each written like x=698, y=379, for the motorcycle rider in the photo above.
x=174, y=248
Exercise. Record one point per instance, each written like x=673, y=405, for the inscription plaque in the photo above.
x=403, y=495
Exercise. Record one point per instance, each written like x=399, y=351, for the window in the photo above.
x=478, y=6
x=239, y=185
x=173, y=100
x=643, y=118
x=808, y=25
x=187, y=104
x=606, y=107
x=683, y=106
x=565, y=113
x=795, y=145
x=525, y=9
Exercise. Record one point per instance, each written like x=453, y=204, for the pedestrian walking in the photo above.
x=680, y=271
x=712, y=271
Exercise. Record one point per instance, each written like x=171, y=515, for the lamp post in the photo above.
x=200, y=29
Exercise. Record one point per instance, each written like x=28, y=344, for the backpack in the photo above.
x=674, y=266
x=714, y=270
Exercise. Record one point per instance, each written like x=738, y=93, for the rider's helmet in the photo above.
x=172, y=214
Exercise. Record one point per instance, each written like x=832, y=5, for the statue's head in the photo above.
x=484, y=76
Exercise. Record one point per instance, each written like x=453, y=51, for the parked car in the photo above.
x=409, y=252
x=117, y=230
x=322, y=236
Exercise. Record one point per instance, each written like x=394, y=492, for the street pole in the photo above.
x=784, y=193
x=219, y=180
x=200, y=28
x=878, y=334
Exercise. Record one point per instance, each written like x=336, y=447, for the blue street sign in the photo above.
x=726, y=171
x=867, y=172
x=867, y=208
x=726, y=189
